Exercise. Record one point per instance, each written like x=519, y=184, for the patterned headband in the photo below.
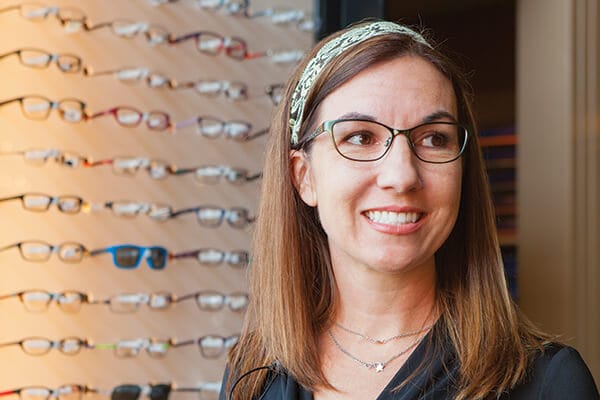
x=328, y=52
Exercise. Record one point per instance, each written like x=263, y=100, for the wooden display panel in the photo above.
x=104, y=138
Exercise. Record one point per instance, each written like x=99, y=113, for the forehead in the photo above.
x=400, y=92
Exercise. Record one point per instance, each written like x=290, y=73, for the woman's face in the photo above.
x=392, y=214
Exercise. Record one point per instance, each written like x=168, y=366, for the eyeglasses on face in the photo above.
x=38, y=108
x=129, y=256
x=124, y=28
x=130, y=117
x=211, y=127
x=38, y=251
x=130, y=302
x=130, y=209
x=36, y=58
x=38, y=346
x=41, y=202
x=72, y=19
x=210, y=300
x=64, y=392
x=213, y=217
x=367, y=140
x=211, y=346
x=210, y=257
x=128, y=348
x=39, y=300
x=132, y=75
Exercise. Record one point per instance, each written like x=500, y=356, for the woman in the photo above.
x=376, y=269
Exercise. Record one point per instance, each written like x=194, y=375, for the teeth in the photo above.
x=393, y=218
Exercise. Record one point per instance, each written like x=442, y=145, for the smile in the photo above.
x=393, y=218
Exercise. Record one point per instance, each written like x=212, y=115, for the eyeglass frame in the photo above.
x=52, y=200
x=226, y=344
x=53, y=344
x=84, y=298
x=144, y=74
x=53, y=57
x=145, y=254
x=52, y=249
x=53, y=393
x=224, y=46
x=53, y=105
x=224, y=125
x=142, y=117
x=225, y=215
x=225, y=257
x=52, y=10
x=327, y=126
x=226, y=302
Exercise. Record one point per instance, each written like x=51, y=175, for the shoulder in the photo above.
x=558, y=372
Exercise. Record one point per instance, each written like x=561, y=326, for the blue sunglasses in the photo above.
x=128, y=256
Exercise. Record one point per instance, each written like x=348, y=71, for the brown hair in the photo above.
x=291, y=281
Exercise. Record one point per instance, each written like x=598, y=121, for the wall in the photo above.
x=102, y=138
x=559, y=169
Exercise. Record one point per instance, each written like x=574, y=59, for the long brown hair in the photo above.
x=291, y=281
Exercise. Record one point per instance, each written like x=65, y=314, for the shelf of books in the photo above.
x=499, y=151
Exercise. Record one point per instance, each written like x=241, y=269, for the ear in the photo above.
x=302, y=177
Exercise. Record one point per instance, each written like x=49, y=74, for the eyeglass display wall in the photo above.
x=131, y=139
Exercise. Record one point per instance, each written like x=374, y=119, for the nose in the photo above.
x=398, y=170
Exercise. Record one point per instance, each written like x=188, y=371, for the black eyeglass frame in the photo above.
x=327, y=126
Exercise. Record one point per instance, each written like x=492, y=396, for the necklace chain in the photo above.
x=385, y=340
x=378, y=366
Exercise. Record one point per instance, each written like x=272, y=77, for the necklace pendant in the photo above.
x=379, y=367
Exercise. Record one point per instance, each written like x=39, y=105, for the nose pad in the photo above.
x=399, y=170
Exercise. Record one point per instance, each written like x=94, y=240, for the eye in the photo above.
x=434, y=139
x=361, y=138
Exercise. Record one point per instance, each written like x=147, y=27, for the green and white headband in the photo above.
x=328, y=52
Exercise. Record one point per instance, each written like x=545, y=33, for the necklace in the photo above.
x=378, y=366
x=386, y=340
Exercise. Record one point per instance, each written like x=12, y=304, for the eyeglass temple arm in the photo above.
x=89, y=71
x=10, y=8
x=87, y=162
x=13, y=391
x=182, y=171
x=184, y=254
x=10, y=53
x=10, y=100
x=98, y=251
x=254, y=177
x=12, y=198
x=9, y=246
x=89, y=27
x=191, y=35
x=258, y=134
x=184, y=211
x=186, y=122
x=185, y=297
x=184, y=343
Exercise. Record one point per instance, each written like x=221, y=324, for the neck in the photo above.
x=382, y=304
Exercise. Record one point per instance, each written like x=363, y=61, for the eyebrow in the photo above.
x=436, y=116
